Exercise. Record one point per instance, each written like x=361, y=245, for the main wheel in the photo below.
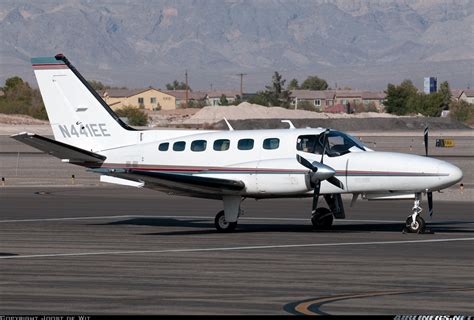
x=322, y=219
x=417, y=226
x=222, y=225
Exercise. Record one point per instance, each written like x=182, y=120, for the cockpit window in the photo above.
x=338, y=143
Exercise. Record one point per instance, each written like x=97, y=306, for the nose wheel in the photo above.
x=415, y=226
x=415, y=223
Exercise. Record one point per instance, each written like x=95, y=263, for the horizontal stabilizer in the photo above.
x=58, y=149
x=122, y=182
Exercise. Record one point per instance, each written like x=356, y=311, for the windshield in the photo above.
x=338, y=143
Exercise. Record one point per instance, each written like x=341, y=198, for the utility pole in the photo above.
x=187, y=87
x=242, y=85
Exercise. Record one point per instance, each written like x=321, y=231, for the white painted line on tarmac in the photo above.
x=185, y=217
x=65, y=219
x=103, y=217
x=137, y=252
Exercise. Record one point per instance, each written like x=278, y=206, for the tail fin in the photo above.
x=77, y=113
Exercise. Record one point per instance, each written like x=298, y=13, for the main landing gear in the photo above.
x=226, y=220
x=415, y=223
x=222, y=225
x=322, y=218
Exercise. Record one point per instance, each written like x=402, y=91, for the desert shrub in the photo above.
x=307, y=105
x=136, y=117
x=462, y=111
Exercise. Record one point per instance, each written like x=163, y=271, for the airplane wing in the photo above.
x=59, y=150
x=183, y=184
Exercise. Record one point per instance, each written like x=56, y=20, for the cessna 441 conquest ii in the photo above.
x=228, y=165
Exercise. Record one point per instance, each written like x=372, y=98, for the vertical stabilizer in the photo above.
x=78, y=115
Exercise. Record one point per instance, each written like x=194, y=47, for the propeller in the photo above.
x=319, y=172
x=429, y=193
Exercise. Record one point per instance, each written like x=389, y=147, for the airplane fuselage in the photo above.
x=271, y=170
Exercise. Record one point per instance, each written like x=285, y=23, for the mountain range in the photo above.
x=362, y=44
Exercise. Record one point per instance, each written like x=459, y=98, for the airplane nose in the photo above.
x=454, y=173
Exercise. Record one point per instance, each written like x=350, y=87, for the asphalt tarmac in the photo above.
x=116, y=250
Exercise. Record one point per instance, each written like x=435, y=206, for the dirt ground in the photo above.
x=248, y=116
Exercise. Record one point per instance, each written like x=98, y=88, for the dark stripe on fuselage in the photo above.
x=233, y=170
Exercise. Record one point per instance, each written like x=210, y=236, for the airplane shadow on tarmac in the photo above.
x=206, y=226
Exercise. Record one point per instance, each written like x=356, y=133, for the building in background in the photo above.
x=338, y=100
x=463, y=94
x=149, y=99
x=430, y=85
x=468, y=95
x=214, y=97
x=195, y=97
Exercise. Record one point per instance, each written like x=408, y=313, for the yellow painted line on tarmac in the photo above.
x=305, y=306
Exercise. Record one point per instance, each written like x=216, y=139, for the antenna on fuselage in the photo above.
x=289, y=123
x=228, y=125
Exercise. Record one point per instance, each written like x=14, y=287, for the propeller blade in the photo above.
x=426, y=140
x=325, y=142
x=335, y=181
x=430, y=203
x=306, y=163
x=317, y=187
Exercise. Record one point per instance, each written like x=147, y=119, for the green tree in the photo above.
x=446, y=93
x=175, y=85
x=259, y=98
x=99, y=86
x=223, y=101
x=20, y=98
x=397, y=97
x=275, y=94
x=293, y=85
x=429, y=105
x=314, y=83
x=237, y=101
x=136, y=117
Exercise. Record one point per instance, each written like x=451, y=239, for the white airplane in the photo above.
x=228, y=165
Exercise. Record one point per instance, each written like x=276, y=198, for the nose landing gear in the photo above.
x=415, y=223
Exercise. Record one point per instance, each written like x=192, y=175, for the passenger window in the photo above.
x=245, y=144
x=271, y=143
x=198, y=145
x=221, y=145
x=179, y=146
x=164, y=146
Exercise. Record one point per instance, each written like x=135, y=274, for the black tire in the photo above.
x=322, y=219
x=222, y=225
x=417, y=227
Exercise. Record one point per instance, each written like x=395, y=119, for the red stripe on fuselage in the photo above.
x=50, y=66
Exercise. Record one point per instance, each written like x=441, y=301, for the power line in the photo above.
x=187, y=87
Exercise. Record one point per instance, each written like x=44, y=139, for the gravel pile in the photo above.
x=19, y=119
x=247, y=110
